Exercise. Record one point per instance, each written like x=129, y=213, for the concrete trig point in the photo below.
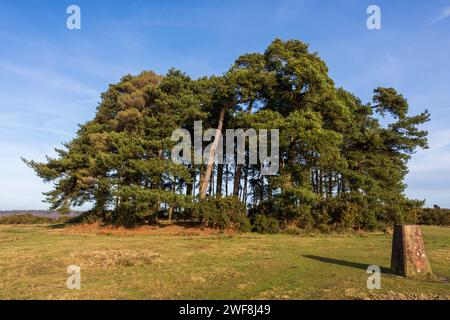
x=408, y=252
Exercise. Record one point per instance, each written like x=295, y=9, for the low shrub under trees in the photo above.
x=434, y=216
x=223, y=213
x=265, y=224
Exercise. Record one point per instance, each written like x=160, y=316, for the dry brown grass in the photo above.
x=115, y=257
x=391, y=295
x=157, y=230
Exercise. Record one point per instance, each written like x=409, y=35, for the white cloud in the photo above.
x=444, y=14
x=34, y=128
x=54, y=107
x=437, y=157
x=48, y=77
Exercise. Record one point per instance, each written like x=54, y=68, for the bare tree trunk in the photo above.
x=237, y=180
x=253, y=188
x=211, y=183
x=330, y=185
x=244, y=193
x=212, y=153
x=201, y=177
x=238, y=173
x=219, y=180
x=170, y=213
x=190, y=185
x=171, y=205
x=262, y=189
x=226, y=179
x=321, y=182
x=189, y=188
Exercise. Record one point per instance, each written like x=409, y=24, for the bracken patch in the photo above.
x=169, y=229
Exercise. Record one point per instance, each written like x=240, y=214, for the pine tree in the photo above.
x=338, y=164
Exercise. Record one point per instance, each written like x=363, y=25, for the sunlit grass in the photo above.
x=34, y=260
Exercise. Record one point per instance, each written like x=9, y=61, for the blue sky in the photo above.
x=51, y=77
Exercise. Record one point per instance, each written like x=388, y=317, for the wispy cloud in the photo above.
x=32, y=106
x=444, y=14
x=429, y=171
x=34, y=128
x=48, y=77
x=437, y=157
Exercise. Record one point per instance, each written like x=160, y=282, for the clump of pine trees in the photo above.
x=339, y=166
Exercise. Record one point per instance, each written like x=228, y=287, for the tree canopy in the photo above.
x=338, y=164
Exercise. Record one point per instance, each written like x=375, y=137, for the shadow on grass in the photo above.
x=345, y=263
x=160, y=224
x=57, y=226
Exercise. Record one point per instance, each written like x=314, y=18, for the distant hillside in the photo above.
x=38, y=213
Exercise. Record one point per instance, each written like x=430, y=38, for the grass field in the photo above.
x=114, y=265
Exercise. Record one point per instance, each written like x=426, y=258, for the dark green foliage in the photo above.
x=434, y=216
x=339, y=166
x=223, y=213
x=285, y=211
x=88, y=217
x=264, y=224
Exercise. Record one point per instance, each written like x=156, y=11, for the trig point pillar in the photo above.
x=408, y=252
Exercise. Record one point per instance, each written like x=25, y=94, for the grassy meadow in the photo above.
x=184, y=264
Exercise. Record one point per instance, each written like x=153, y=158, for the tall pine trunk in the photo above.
x=219, y=180
x=237, y=180
x=212, y=153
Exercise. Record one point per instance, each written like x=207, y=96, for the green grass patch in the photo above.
x=34, y=260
